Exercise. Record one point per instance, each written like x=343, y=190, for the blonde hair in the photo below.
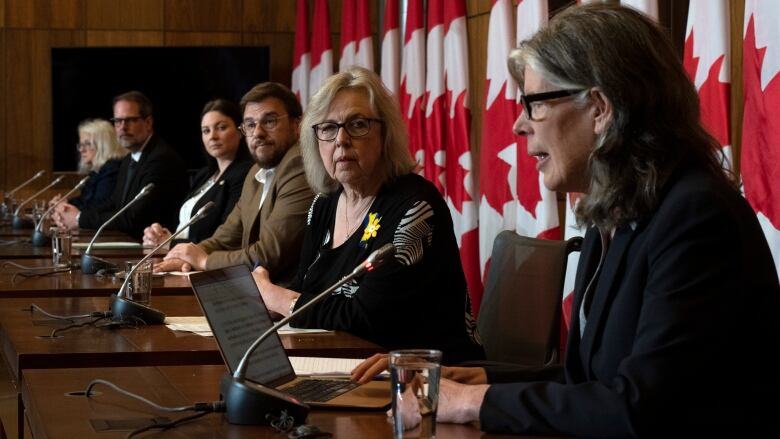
x=103, y=138
x=396, y=159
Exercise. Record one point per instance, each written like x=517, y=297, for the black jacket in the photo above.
x=224, y=193
x=99, y=187
x=681, y=335
x=160, y=165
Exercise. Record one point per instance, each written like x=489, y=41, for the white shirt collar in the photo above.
x=263, y=175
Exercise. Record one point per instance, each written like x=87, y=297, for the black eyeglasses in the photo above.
x=118, y=121
x=357, y=127
x=248, y=126
x=536, y=112
x=84, y=145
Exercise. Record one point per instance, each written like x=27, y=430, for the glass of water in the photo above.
x=415, y=385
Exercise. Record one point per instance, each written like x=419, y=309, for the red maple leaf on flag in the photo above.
x=713, y=94
x=760, y=133
x=494, y=171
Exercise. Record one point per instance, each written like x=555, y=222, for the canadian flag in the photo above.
x=321, y=52
x=357, y=48
x=706, y=59
x=412, y=91
x=537, y=206
x=301, y=55
x=461, y=195
x=761, y=125
x=498, y=153
x=348, y=32
x=391, y=47
x=648, y=7
x=435, y=154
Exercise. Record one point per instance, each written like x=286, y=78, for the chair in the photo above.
x=519, y=318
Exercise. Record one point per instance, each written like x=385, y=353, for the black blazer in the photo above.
x=682, y=333
x=160, y=165
x=99, y=187
x=224, y=194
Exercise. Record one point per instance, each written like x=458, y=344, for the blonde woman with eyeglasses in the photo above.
x=99, y=157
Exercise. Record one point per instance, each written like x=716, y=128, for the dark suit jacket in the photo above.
x=99, y=187
x=159, y=164
x=271, y=236
x=682, y=334
x=224, y=193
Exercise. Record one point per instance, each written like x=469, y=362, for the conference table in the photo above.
x=15, y=244
x=53, y=413
x=40, y=281
x=27, y=344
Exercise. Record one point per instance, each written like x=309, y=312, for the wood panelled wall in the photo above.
x=30, y=28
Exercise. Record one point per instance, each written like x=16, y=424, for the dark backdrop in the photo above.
x=178, y=81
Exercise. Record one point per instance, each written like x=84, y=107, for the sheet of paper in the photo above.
x=108, y=245
x=200, y=326
x=197, y=325
x=323, y=366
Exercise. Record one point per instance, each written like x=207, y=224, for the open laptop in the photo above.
x=237, y=315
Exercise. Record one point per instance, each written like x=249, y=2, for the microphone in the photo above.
x=91, y=264
x=123, y=308
x=19, y=222
x=39, y=239
x=30, y=180
x=247, y=402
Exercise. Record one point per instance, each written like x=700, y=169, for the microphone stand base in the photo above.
x=127, y=310
x=249, y=403
x=40, y=239
x=91, y=264
x=21, y=223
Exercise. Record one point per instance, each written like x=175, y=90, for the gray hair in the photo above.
x=103, y=137
x=396, y=158
x=655, y=123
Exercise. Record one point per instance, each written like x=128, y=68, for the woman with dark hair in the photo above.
x=674, y=318
x=220, y=181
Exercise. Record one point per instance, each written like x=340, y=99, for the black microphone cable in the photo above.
x=202, y=408
x=33, y=307
x=75, y=325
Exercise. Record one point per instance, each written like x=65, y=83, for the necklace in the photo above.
x=357, y=217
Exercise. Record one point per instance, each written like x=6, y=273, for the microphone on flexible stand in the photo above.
x=21, y=223
x=30, y=180
x=248, y=402
x=123, y=309
x=39, y=238
x=91, y=264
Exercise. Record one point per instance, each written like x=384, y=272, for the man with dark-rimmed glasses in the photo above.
x=150, y=160
x=266, y=225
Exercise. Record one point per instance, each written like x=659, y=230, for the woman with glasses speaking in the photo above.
x=355, y=154
x=99, y=156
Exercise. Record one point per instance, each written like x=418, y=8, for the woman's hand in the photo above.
x=459, y=403
x=155, y=234
x=369, y=368
x=276, y=298
x=378, y=363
